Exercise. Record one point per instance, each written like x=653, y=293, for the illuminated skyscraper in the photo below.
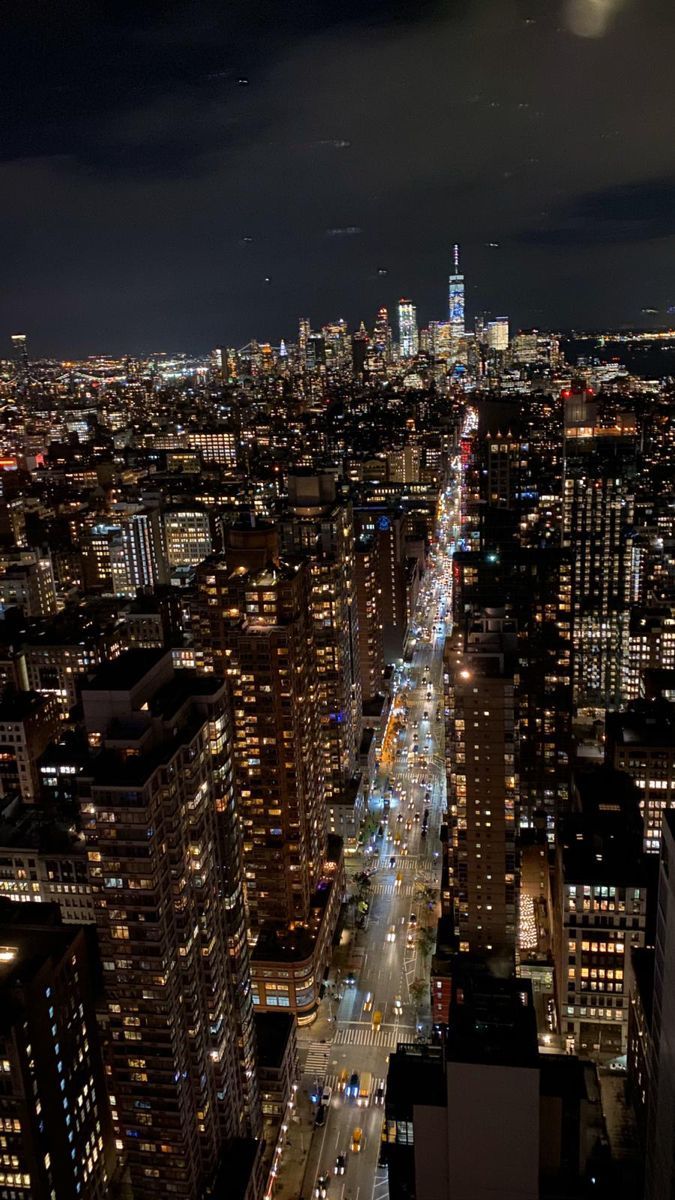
x=408, y=337
x=57, y=1135
x=304, y=330
x=319, y=525
x=498, y=334
x=382, y=342
x=456, y=300
x=20, y=352
x=255, y=626
x=598, y=528
x=483, y=782
x=169, y=892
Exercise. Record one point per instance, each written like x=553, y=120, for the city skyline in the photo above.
x=189, y=157
x=337, y=600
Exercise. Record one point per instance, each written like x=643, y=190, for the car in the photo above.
x=426, y=715
x=357, y=1136
x=398, y=1006
x=391, y=933
x=340, y=1164
x=412, y=919
x=379, y=1096
x=320, y=1118
x=410, y=941
x=350, y=980
x=392, y=862
x=417, y=816
x=321, y=1187
x=327, y=1093
x=352, y=1088
x=368, y=1002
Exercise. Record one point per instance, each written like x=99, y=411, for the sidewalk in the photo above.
x=291, y=1172
x=288, y=1185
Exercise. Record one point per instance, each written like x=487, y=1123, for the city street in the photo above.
x=361, y=1022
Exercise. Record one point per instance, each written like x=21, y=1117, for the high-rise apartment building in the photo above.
x=27, y=582
x=255, y=626
x=388, y=526
x=641, y=742
x=660, y=1174
x=156, y=808
x=601, y=911
x=56, y=1135
x=59, y=652
x=368, y=599
x=598, y=516
x=216, y=445
x=125, y=552
x=319, y=525
x=483, y=784
x=188, y=535
x=142, y=549
x=408, y=337
x=651, y=645
x=403, y=466
x=28, y=722
x=44, y=861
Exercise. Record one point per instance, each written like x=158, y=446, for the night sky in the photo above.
x=147, y=192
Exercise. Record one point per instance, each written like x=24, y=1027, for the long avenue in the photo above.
x=370, y=1004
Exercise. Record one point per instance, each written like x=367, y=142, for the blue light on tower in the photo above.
x=456, y=299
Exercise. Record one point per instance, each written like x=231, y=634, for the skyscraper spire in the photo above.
x=455, y=256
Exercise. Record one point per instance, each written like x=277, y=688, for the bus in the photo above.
x=365, y=1089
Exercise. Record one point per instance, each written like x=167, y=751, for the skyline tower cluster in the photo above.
x=337, y=765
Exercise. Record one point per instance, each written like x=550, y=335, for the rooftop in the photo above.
x=124, y=672
x=416, y=1076
x=273, y=1032
x=492, y=1019
x=30, y=935
x=16, y=706
x=645, y=723
x=29, y=827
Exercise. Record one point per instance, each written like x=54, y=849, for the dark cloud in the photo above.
x=145, y=196
x=636, y=212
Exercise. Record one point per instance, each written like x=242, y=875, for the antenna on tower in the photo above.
x=455, y=255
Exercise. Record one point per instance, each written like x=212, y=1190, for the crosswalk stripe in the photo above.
x=317, y=1059
x=365, y=1036
x=391, y=889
